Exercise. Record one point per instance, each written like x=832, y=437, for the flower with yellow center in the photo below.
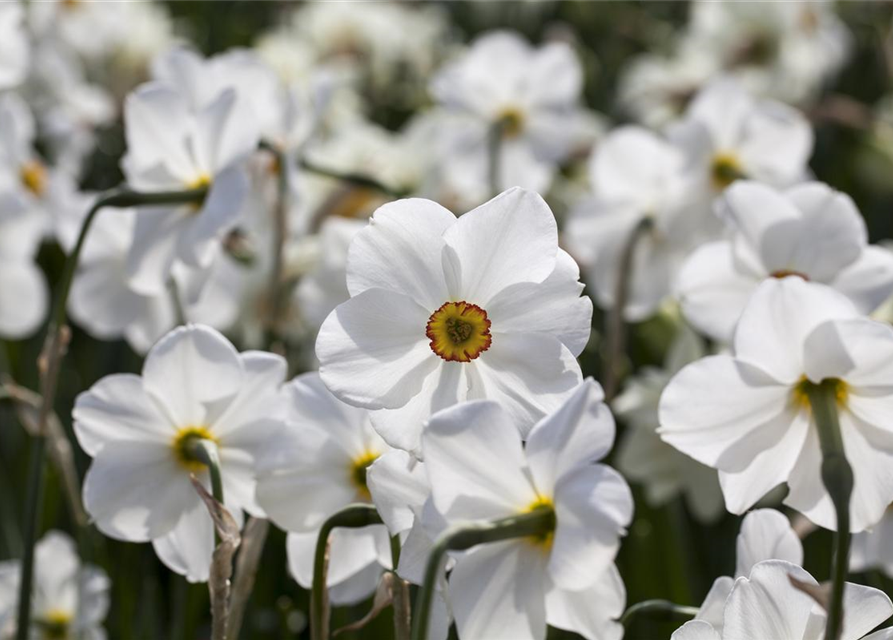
x=749, y=416
x=444, y=309
x=725, y=169
x=34, y=177
x=480, y=471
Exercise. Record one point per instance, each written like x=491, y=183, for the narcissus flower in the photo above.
x=444, y=310
x=809, y=230
x=480, y=471
x=314, y=466
x=139, y=431
x=748, y=414
x=69, y=600
x=765, y=604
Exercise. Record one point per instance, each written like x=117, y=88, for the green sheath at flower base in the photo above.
x=538, y=523
x=837, y=476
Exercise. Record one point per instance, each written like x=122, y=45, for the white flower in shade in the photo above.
x=643, y=457
x=14, y=52
x=102, y=302
x=480, y=471
x=787, y=50
x=748, y=414
x=315, y=466
x=24, y=295
x=808, y=230
x=765, y=534
x=69, y=600
x=172, y=147
x=765, y=604
x=532, y=94
x=873, y=549
x=636, y=176
x=727, y=134
x=444, y=310
x=139, y=430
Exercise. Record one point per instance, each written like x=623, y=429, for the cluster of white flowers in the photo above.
x=419, y=279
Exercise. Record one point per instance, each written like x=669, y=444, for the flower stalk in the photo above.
x=837, y=476
x=661, y=609
x=539, y=522
x=355, y=179
x=353, y=516
x=49, y=365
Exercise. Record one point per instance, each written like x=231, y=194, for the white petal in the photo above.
x=711, y=610
x=497, y=592
x=157, y=121
x=399, y=487
x=593, y=505
x=510, y=239
x=766, y=534
x=554, y=306
x=373, y=351
x=591, y=612
x=864, y=609
x=187, y=548
x=118, y=408
x=695, y=630
x=530, y=374
x=475, y=463
x=400, y=251
x=194, y=373
x=867, y=281
x=778, y=144
x=154, y=248
x=258, y=399
x=630, y=161
x=873, y=471
x=806, y=492
x=780, y=315
x=24, y=298
x=580, y=432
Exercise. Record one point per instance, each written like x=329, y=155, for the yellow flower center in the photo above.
x=34, y=176
x=358, y=468
x=459, y=331
x=784, y=273
x=183, y=443
x=542, y=504
x=511, y=121
x=800, y=392
x=54, y=624
x=203, y=180
x=724, y=170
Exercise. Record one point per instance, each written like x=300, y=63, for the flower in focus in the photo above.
x=749, y=416
x=529, y=97
x=140, y=432
x=69, y=601
x=637, y=178
x=444, y=310
x=643, y=457
x=809, y=230
x=479, y=471
x=765, y=604
x=315, y=465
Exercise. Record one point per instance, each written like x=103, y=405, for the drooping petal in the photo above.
x=373, y=351
x=400, y=251
x=696, y=630
x=591, y=612
x=154, y=249
x=497, y=592
x=399, y=487
x=24, y=298
x=867, y=281
x=187, y=548
x=865, y=608
x=766, y=534
x=873, y=471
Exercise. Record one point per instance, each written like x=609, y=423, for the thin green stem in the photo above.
x=662, y=609
x=352, y=516
x=538, y=522
x=837, y=476
x=50, y=364
x=352, y=178
x=205, y=451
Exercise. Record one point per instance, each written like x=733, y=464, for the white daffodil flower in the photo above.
x=139, y=430
x=748, y=414
x=102, y=302
x=531, y=94
x=765, y=534
x=808, y=230
x=24, y=295
x=643, y=457
x=445, y=309
x=727, y=134
x=172, y=147
x=765, y=604
x=480, y=471
x=14, y=50
x=315, y=466
x=69, y=600
x=637, y=176
x=873, y=549
x=786, y=50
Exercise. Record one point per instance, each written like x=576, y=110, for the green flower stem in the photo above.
x=353, y=516
x=837, y=476
x=280, y=233
x=615, y=331
x=538, y=522
x=50, y=363
x=662, y=609
x=400, y=596
x=355, y=179
x=205, y=451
